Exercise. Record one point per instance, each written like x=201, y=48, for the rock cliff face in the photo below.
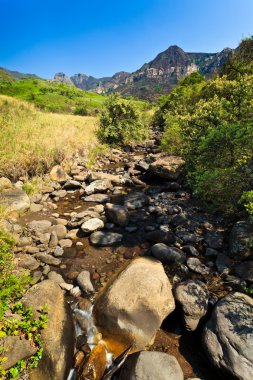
x=154, y=78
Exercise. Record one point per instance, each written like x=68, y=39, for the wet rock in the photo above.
x=131, y=229
x=27, y=261
x=228, y=336
x=190, y=250
x=98, y=186
x=167, y=167
x=193, y=297
x=168, y=255
x=92, y=225
x=132, y=307
x=58, y=337
x=240, y=239
x=47, y=259
x=105, y=238
x=57, y=174
x=98, y=198
x=76, y=291
x=117, y=214
x=83, y=280
x=95, y=364
x=136, y=200
x=14, y=199
x=151, y=365
x=159, y=236
x=17, y=349
x=196, y=266
x=223, y=263
x=245, y=270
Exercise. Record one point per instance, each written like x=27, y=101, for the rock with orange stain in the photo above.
x=94, y=365
x=132, y=306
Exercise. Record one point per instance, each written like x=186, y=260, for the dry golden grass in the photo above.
x=31, y=142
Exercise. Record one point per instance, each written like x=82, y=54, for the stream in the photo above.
x=103, y=262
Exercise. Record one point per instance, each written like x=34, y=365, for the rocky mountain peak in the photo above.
x=61, y=77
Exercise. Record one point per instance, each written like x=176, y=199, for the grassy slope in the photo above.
x=52, y=96
x=32, y=141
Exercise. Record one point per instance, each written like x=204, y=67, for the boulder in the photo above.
x=132, y=306
x=14, y=199
x=192, y=295
x=151, y=365
x=99, y=186
x=168, y=255
x=228, y=336
x=5, y=183
x=58, y=337
x=240, y=239
x=92, y=225
x=117, y=214
x=57, y=174
x=104, y=239
x=167, y=167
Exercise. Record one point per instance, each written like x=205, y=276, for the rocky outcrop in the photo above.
x=63, y=78
x=58, y=337
x=133, y=305
x=228, y=336
x=151, y=365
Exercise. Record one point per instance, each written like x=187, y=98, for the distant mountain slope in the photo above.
x=17, y=74
x=154, y=78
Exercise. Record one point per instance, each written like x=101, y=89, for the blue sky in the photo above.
x=101, y=37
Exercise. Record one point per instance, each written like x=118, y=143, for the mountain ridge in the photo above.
x=154, y=78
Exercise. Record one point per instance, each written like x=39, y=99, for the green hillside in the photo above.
x=51, y=96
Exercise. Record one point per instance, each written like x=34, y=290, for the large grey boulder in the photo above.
x=169, y=167
x=98, y=186
x=228, y=336
x=14, y=199
x=151, y=366
x=58, y=337
x=240, y=240
x=132, y=306
x=192, y=296
x=117, y=214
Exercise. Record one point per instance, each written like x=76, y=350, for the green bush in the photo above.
x=121, y=122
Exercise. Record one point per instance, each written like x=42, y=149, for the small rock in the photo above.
x=53, y=240
x=58, y=252
x=65, y=243
x=36, y=207
x=98, y=198
x=92, y=225
x=117, y=214
x=168, y=255
x=105, y=238
x=47, y=259
x=27, y=261
x=190, y=250
x=244, y=270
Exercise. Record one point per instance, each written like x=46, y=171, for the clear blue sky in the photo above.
x=100, y=37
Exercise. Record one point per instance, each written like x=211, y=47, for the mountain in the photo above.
x=17, y=74
x=157, y=77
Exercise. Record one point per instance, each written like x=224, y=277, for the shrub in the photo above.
x=121, y=122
